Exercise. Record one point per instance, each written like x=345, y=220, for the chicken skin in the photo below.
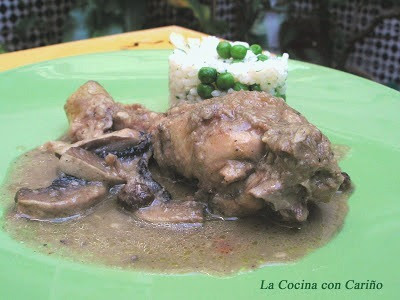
x=247, y=151
x=92, y=112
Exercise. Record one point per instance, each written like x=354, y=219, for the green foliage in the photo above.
x=2, y=49
x=92, y=18
x=251, y=15
x=394, y=85
x=203, y=14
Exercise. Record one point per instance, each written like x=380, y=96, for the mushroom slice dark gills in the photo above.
x=66, y=197
x=84, y=164
x=120, y=157
x=115, y=141
x=141, y=189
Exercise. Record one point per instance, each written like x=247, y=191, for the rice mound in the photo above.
x=190, y=55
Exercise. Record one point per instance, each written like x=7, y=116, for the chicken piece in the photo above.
x=135, y=116
x=246, y=150
x=91, y=112
x=249, y=150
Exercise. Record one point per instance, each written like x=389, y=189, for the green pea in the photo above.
x=224, y=49
x=205, y=90
x=207, y=75
x=238, y=51
x=255, y=87
x=240, y=86
x=262, y=57
x=225, y=81
x=256, y=49
x=237, y=61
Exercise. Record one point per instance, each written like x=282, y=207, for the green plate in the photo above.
x=349, y=110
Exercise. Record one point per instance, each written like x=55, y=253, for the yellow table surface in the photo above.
x=156, y=38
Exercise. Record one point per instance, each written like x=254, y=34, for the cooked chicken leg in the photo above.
x=91, y=112
x=247, y=150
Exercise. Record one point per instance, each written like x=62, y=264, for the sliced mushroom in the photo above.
x=111, y=142
x=173, y=212
x=115, y=158
x=84, y=164
x=135, y=195
x=66, y=197
x=141, y=189
x=114, y=141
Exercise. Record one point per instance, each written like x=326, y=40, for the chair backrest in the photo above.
x=42, y=22
x=375, y=52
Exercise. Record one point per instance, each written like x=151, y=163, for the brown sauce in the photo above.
x=110, y=236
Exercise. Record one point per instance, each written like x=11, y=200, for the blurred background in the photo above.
x=360, y=37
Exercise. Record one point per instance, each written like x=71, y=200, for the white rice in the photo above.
x=192, y=54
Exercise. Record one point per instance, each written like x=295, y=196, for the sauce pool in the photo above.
x=110, y=236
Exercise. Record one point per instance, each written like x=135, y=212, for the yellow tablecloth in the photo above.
x=156, y=38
